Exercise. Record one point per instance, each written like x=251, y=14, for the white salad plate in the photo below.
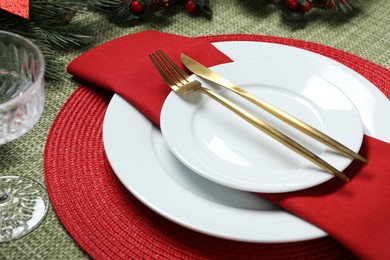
x=144, y=164
x=222, y=147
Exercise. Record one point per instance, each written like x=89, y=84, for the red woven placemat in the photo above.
x=108, y=222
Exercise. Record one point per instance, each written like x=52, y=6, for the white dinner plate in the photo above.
x=222, y=147
x=146, y=167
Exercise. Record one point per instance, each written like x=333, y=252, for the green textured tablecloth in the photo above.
x=366, y=33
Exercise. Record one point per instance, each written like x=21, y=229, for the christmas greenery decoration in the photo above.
x=52, y=27
x=124, y=11
x=296, y=9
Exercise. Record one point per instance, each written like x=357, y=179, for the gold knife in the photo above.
x=210, y=75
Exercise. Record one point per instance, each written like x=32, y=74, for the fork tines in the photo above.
x=171, y=73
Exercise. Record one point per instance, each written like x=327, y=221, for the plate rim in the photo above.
x=208, y=207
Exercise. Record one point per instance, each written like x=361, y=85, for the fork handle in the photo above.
x=274, y=133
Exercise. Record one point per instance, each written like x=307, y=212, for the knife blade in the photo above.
x=206, y=73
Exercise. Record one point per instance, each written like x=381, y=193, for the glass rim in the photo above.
x=36, y=84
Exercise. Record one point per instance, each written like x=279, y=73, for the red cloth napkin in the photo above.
x=355, y=213
x=123, y=66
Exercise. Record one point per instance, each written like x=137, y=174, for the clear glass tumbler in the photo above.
x=23, y=201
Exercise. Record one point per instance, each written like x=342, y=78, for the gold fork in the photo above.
x=183, y=84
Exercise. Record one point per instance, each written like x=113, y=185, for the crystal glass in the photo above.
x=23, y=201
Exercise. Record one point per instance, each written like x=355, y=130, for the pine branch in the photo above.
x=51, y=27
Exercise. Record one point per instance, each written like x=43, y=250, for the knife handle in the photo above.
x=296, y=123
x=274, y=133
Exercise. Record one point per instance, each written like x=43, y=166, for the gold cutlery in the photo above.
x=182, y=84
x=212, y=76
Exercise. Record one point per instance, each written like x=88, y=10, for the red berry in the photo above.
x=137, y=6
x=306, y=8
x=292, y=4
x=331, y=5
x=191, y=6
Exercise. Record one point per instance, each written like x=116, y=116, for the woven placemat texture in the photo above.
x=109, y=222
x=365, y=34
